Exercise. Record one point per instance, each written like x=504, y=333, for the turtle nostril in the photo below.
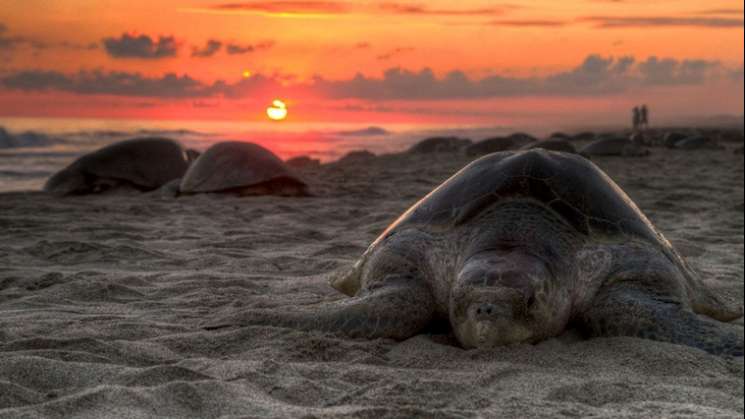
x=484, y=310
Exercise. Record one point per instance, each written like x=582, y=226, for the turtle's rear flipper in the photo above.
x=397, y=311
x=628, y=310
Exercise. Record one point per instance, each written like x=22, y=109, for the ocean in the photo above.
x=31, y=149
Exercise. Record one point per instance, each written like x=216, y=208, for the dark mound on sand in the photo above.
x=496, y=144
x=493, y=145
x=672, y=138
x=552, y=145
x=303, y=162
x=698, y=142
x=561, y=136
x=440, y=145
x=584, y=136
x=618, y=146
x=357, y=156
x=143, y=164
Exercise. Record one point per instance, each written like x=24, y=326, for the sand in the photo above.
x=102, y=300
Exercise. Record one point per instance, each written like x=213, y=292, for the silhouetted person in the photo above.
x=636, y=117
x=644, y=117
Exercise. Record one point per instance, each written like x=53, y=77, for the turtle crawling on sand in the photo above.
x=552, y=144
x=515, y=248
x=614, y=146
x=241, y=168
x=142, y=164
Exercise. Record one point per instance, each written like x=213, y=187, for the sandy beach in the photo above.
x=103, y=299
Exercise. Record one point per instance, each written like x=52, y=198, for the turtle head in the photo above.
x=69, y=181
x=503, y=298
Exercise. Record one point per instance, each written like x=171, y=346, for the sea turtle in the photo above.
x=615, y=146
x=513, y=249
x=440, y=145
x=560, y=136
x=698, y=142
x=584, y=136
x=493, y=145
x=672, y=138
x=357, y=156
x=141, y=163
x=303, y=162
x=241, y=168
x=553, y=145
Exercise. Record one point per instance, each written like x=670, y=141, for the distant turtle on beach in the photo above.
x=560, y=136
x=513, y=249
x=303, y=162
x=496, y=144
x=617, y=146
x=672, y=138
x=357, y=156
x=243, y=169
x=553, y=145
x=584, y=136
x=142, y=164
x=698, y=142
x=440, y=145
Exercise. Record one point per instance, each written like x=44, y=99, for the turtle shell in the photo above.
x=496, y=144
x=614, y=146
x=551, y=144
x=582, y=194
x=233, y=165
x=147, y=163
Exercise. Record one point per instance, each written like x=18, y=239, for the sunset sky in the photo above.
x=470, y=61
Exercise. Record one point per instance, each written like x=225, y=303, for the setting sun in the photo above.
x=278, y=110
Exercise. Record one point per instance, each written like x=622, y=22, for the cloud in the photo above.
x=287, y=7
x=8, y=43
x=421, y=10
x=394, y=52
x=668, y=71
x=140, y=46
x=736, y=12
x=529, y=23
x=212, y=47
x=595, y=76
x=111, y=83
x=611, y=22
x=237, y=49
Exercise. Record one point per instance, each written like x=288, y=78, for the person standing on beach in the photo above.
x=636, y=117
x=644, y=117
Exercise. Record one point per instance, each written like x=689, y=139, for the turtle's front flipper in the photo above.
x=627, y=309
x=397, y=310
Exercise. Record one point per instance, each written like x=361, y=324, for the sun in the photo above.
x=278, y=110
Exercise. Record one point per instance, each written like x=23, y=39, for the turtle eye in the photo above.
x=531, y=301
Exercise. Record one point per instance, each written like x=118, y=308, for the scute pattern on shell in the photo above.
x=234, y=164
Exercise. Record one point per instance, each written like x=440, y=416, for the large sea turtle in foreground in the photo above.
x=515, y=248
x=142, y=164
x=243, y=169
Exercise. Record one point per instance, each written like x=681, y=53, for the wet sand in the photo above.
x=102, y=300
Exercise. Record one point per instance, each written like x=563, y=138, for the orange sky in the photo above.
x=308, y=52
